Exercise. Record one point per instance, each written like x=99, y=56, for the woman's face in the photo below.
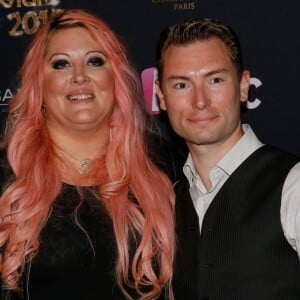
x=78, y=83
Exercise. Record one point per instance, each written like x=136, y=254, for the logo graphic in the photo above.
x=176, y=4
x=256, y=102
x=5, y=95
x=148, y=80
x=27, y=22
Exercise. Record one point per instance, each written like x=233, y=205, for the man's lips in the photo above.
x=202, y=120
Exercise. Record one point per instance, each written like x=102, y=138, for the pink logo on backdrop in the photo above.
x=148, y=80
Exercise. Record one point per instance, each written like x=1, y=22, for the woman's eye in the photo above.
x=60, y=64
x=96, y=61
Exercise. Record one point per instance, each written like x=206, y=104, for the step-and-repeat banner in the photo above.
x=269, y=32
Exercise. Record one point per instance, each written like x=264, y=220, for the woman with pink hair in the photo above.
x=84, y=211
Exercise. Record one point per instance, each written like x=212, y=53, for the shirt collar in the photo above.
x=247, y=144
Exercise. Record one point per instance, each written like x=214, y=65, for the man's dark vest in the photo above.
x=242, y=253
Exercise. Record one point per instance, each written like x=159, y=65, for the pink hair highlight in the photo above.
x=146, y=220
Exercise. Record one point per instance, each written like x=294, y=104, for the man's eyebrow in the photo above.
x=206, y=74
x=217, y=71
x=178, y=77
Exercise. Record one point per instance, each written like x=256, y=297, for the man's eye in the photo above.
x=217, y=80
x=180, y=85
x=60, y=64
x=96, y=61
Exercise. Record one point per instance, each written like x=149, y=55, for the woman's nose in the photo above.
x=79, y=77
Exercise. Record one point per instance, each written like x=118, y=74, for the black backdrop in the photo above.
x=269, y=32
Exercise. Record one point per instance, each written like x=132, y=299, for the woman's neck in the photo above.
x=79, y=156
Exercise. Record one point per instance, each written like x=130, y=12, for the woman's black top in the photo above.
x=77, y=254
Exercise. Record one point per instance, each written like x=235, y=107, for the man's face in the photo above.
x=201, y=92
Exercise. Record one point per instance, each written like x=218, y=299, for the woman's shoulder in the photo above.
x=3, y=155
x=168, y=155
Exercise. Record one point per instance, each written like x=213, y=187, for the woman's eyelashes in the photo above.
x=60, y=64
x=94, y=61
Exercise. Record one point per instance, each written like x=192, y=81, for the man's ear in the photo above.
x=160, y=95
x=244, y=85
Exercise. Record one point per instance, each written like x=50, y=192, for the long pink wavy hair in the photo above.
x=27, y=200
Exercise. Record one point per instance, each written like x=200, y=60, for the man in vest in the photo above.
x=238, y=200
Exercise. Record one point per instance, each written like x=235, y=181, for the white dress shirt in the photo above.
x=290, y=201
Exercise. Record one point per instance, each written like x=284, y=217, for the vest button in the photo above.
x=208, y=265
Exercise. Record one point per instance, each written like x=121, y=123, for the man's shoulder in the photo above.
x=271, y=159
x=279, y=152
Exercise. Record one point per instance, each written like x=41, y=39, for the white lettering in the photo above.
x=256, y=102
x=6, y=96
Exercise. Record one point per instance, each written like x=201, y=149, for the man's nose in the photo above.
x=201, y=99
